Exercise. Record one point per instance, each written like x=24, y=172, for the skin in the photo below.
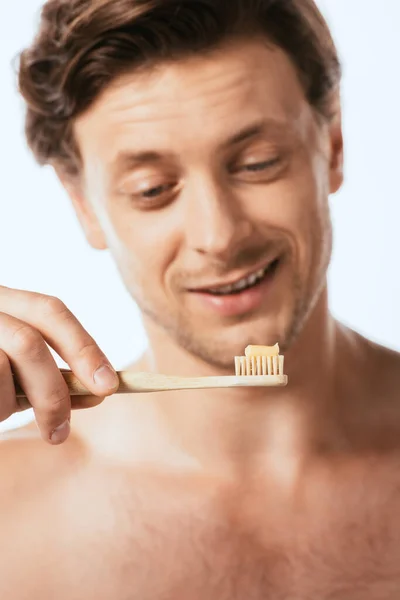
x=289, y=493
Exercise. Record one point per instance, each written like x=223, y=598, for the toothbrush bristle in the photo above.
x=246, y=366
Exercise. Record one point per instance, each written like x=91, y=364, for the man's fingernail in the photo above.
x=61, y=433
x=106, y=377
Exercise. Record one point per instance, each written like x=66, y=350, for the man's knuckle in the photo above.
x=53, y=306
x=87, y=349
x=56, y=401
x=26, y=340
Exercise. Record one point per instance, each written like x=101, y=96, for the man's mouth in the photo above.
x=245, y=283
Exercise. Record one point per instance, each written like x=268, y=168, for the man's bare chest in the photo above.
x=196, y=557
x=330, y=542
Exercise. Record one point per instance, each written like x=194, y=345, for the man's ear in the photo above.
x=336, y=146
x=84, y=211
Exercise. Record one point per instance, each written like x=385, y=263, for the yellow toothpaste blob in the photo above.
x=262, y=351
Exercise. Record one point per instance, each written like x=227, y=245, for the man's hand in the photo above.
x=28, y=322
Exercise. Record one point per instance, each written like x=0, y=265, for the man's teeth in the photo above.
x=244, y=283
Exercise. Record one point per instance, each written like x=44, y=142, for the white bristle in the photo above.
x=242, y=365
x=269, y=365
x=281, y=365
x=258, y=366
x=275, y=365
x=253, y=366
x=264, y=365
x=237, y=366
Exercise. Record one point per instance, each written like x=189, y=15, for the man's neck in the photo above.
x=240, y=426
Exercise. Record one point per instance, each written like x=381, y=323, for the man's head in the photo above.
x=199, y=141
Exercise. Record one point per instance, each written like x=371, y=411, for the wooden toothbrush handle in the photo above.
x=154, y=382
x=74, y=385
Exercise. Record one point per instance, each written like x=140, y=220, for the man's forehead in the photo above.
x=227, y=93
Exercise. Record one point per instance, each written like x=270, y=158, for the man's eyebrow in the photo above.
x=125, y=160
x=259, y=128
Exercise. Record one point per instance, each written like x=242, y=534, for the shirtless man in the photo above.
x=199, y=142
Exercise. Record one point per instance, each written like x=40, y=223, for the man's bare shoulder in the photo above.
x=29, y=466
x=384, y=381
x=19, y=449
x=371, y=361
x=384, y=369
x=369, y=383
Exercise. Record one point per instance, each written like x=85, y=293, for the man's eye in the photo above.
x=155, y=192
x=260, y=166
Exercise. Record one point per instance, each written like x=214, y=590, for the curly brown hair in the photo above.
x=82, y=45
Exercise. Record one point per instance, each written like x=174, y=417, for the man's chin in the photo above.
x=218, y=347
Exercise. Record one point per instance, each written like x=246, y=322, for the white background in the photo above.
x=42, y=247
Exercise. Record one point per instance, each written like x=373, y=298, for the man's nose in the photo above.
x=216, y=224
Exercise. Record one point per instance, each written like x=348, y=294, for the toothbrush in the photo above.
x=262, y=366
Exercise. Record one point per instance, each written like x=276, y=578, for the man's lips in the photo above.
x=246, y=278
x=245, y=296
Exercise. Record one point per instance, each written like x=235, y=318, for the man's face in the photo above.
x=204, y=172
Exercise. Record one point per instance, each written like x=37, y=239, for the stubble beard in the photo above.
x=218, y=350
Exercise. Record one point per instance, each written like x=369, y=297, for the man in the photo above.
x=199, y=141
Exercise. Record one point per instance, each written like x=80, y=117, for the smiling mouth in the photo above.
x=246, y=283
